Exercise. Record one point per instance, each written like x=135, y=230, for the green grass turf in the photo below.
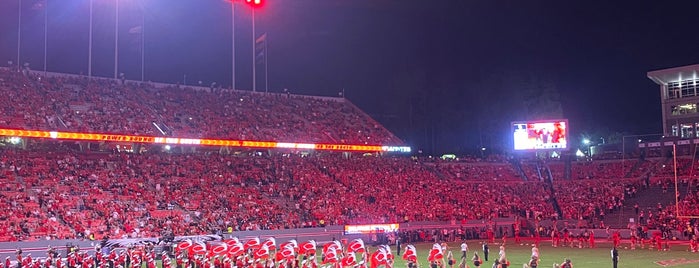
x=581, y=258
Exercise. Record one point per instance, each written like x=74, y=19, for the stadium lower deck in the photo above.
x=59, y=193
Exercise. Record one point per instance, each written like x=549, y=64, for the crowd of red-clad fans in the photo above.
x=63, y=194
x=59, y=194
x=106, y=106
x=51, y=192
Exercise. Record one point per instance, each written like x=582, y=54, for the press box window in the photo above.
x=689, y=108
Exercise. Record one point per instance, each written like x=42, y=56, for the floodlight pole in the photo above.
x=19, y=33
x=143, y=43
x=254, y=58
x=233, y=44
x=89, y=46
x=266, y=68
x=46, y=18
x=116, y=40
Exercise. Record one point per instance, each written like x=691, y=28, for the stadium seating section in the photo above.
x=54, y=192
x=105, y=106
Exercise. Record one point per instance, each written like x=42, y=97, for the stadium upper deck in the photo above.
x=76, y=104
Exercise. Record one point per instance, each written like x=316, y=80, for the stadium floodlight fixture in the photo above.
x=254, y=3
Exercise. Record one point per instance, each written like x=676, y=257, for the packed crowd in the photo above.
x=64, y=194
x=50, y=195
x=106, y=106
x=68, y=194
x=590, y=199
x=479, y=171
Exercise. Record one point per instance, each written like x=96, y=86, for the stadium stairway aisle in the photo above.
x=647, y=199
x=553, y=200
x=434, y=171
x=518, y=167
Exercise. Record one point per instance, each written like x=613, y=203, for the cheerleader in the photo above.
x=476, y=260
x=450, y=259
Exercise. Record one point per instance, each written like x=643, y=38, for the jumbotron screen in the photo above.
x=540, y=135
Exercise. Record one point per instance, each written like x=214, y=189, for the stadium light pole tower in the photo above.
x=232, y=44
x=116, y=40
x=89, y=45
x=19, y=33
x=46, y=18
x=143, y=41
x=254, y=4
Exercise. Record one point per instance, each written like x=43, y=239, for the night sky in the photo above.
x=445, y=76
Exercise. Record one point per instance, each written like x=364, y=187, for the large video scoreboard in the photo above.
x=540, y=135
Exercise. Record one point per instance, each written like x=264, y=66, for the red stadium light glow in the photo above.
x=204, y=142
x=254, y=3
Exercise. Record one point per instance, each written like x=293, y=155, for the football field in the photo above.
x=517, y=254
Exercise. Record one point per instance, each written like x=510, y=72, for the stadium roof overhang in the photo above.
x=665, y=76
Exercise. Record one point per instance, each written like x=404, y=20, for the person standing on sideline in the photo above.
x=464, y=250
x=398, y=245
x=485, y=251
x=615, y=257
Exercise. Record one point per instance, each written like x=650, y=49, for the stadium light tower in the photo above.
x=89, y=44
x=19, y=33
x=233, y=43
x=116, y=39
x=254, y=4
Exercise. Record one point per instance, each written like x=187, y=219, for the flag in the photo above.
x=136, y=38
x=252, y=243
x=307, y=247
x=436, y=253
x=387, y=250
x=235, y=248
x=261, y=49
x=286, y=251
x=349, y=260
x=262, y=252
x=218, y=248
x=334, y=244
x=356, y=245
x=231, y=241
x=410, y=253
x=271, y=243
x=136, y=30
x=185, y=245
x=291, y=242
x=330, y=255
x=198, y=248
x=378, y=258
